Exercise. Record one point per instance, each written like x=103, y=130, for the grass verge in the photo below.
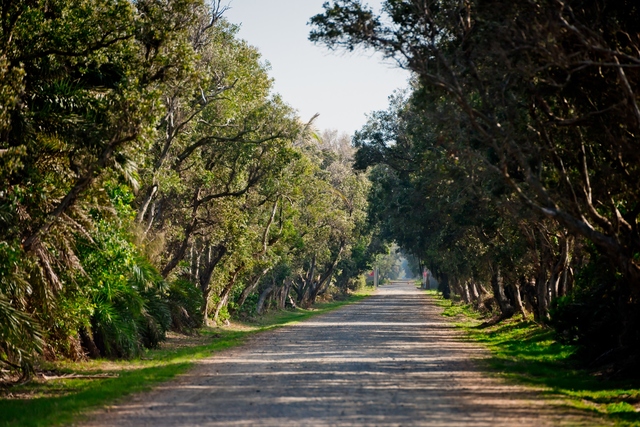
x=527, y=353
x=63, y=400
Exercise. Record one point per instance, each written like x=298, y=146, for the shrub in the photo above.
x=601, y=316
x=185, y=305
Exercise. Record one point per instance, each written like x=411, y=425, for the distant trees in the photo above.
x=512, y=159
x=150, y=180
x=329, y=230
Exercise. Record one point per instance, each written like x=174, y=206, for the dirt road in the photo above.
x=390, y=360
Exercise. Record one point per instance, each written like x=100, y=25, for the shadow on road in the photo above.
x=388, y=360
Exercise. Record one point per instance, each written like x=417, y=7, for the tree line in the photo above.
x=510, y=167
x=151, y=180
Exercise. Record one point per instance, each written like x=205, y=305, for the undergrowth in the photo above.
x=62, y=401
x=527, y=352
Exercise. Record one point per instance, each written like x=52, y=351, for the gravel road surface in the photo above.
x=390, y=360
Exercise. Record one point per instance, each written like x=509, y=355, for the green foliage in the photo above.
x=389, y=264
x=149, y=177
x=528, y=353
x=510, y=155
x=20, y=334
x=185, y=302
x=126, y=293
x=600, y=316
x=358, y=284
x=80, y=84
x=20, y=337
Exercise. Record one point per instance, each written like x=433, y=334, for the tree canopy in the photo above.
x=510, y=167
x=150, y=179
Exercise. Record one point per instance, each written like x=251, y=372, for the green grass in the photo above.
x=62, y=401
x=527, y=353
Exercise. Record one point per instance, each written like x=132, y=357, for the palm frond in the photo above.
x=20, y=337
x=45, y=263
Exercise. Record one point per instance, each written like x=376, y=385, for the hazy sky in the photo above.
x=341, y=87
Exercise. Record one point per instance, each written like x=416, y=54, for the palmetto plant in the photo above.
x=129, y=298
x=20, y=334
x=185, y=304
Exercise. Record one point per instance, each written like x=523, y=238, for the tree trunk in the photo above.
x=542, y=294
x=147, y=201
x=281, y=298
x=528, y=293
x=554, y=280
x=262, y=299
x=251, y=287
x=326, y=277
x=177, y=256
x=182, y=249
x=195, y=264
x=299, y=288
x=285, y=293
x=517, y=300
x=466, y=295
x=566, y=282
x=309, y=282
x=205, y=307
x=224, y=295
x=204, y=280
x=443, y=286
x=88, y=344
x=325, y=287
x=306, y=283
x=473, y=291
x=498, y=292
x=291, y=301
x=460, y=289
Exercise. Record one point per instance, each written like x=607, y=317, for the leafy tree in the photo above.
x=521, y=124
x=150, y=179
x=81, y=82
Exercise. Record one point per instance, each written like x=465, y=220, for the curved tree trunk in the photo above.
x=506, y=309
x=180, y=251
x=517, y=300
x=325, y=279
x=224, y=295
x=285, y=294
x=204, y=279
x=263, y=298
x=473, y=292
x=251, y=287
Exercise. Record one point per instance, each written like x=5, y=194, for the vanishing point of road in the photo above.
x=389, y=360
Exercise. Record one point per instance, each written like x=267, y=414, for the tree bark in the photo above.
x=87, y=343
x=204, y=281
x=251, y=286
x=498, y=292
x=459, y=289
x=517, y=299
x=182, y=248
x=263, y=296
x=147, y=201
x=473, y=292
x=542, y=294
x=224, y=295
x=443, y=286
x=285, y=294
x=325, y=278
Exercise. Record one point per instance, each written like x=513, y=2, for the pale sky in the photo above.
x=342, y=87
